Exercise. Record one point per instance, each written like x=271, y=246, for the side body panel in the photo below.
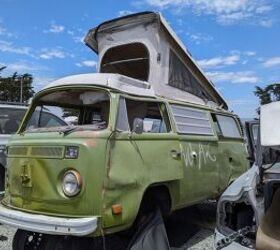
x=234, y=158
x=135, y=163
x=201, y=169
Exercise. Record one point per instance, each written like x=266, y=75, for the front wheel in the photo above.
x=25, y=240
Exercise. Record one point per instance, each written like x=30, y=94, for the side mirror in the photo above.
x=138, y=126
x=270, y=124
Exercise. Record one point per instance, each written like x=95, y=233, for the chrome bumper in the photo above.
x=47, y=224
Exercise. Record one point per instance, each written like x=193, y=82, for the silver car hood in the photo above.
x=4, y=139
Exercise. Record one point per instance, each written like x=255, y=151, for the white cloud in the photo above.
x=125, y=12
x=53, y=53
x=87, y=63
x=250, y=53
x=10, y=48
x=233, y=77
x=267, y=23
x=219, y=61
x=240, y=102
x=5, y=32
x=2, y=31
x=41, y=81
x=271, y=62
x=198, y=38
x=79, y=39
x=225, y=11
x=263, y=9
x=22, y=67
x=54, y=28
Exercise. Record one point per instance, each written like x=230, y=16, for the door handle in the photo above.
x=175, y=154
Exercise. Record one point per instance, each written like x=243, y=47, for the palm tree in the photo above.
x=2, y=68
x=275, y=91
x=264, y=94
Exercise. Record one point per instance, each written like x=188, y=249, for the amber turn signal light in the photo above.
x=117, y=209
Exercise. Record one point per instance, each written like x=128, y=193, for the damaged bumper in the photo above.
x=233, y=246
x=48, y=224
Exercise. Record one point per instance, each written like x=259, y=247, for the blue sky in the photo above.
x=236, y=42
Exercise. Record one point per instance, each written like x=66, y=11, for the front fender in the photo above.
x=243, y=190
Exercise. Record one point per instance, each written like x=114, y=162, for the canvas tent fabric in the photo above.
x=143, y=46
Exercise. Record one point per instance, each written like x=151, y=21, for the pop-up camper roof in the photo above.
x=143, y=46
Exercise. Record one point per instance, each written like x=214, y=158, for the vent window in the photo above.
x=130, y=60
x=192, y=121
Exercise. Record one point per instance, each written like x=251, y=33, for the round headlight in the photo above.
x=72, y=183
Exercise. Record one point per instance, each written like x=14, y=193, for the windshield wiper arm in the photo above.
x=69, y=130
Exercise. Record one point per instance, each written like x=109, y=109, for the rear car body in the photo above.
x=10, y=119
x=248, y=211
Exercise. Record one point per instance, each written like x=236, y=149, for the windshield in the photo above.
x=10, y=119
x=68, y=109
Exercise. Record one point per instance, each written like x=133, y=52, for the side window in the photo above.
x=44, y=119
x=153, y=114
x=228, y=126
x=182, y=78
x=49, y=120
x=216, y=125
x=192, y=121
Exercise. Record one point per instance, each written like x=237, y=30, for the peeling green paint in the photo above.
x=118, y=167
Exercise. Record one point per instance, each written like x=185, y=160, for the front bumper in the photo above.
x=47, y=224
x=233, y=246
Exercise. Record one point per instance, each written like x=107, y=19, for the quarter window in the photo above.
x=228, y=126
x=192, y=121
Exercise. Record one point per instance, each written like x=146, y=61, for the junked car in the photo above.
x=11, y=116
x=248, y=211
x=10, y=119
x=151, y=131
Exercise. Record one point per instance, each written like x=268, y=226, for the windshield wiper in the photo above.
x=97, y=126
x=68, y=130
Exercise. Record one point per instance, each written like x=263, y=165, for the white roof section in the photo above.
x=113, y=81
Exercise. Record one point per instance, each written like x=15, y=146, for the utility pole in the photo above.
x=21, y=88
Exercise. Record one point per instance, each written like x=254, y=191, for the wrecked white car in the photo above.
x=248, y=211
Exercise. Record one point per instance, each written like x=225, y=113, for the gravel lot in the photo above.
x=191, y=228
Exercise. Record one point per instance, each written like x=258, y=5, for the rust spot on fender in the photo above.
x=90, y=143
x=87, y=133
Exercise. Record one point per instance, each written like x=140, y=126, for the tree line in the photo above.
x=16, y=88
x=268, y=94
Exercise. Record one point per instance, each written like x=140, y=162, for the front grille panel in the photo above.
x=17, y=151
x=53, y=152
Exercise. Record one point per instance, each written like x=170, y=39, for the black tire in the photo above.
x=25, y=240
